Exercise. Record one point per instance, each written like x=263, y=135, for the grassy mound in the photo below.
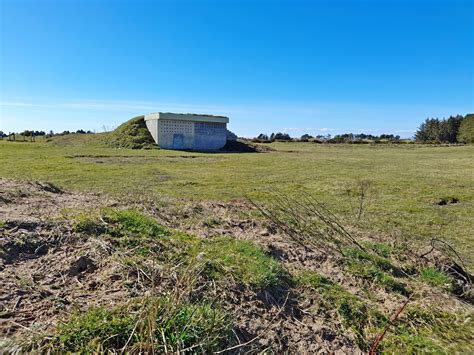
x=241, y=146
x=132, y=134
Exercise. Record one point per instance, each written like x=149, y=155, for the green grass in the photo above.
x=132, y=134
x=375, y=269
x=434, y=277
x=241, y=260
x=406, y=181
x=428, y=330
x=220, y=258
x=159, y=324
x=419, y=329
x=354, y=313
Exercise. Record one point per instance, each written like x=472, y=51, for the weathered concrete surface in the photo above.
x=188, y=131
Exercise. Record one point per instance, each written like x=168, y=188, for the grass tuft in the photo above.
x=430, y=330
x=435, y=277
x=133, y=222
x=242, y=260
x=159, y=324
x=375, y=268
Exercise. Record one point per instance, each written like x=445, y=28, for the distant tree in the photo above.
x=281, y=136
x=306, y=136
x=466, y=129
x=428, y=130
x=450, y=129
x=263, y=137
x=434, y=129
x=80, y=131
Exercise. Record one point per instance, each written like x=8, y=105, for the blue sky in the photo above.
x=321, y=67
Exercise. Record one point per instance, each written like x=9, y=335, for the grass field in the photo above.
x=405, y=183
x=169, y=255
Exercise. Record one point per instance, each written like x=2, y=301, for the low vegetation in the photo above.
x=435, y=277
x=132, y=134
x=218, y=258
x=154, y=324
x=337, y=252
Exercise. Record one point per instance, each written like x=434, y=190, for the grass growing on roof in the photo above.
x=132, y=134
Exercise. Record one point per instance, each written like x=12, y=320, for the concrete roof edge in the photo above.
x=186, y=117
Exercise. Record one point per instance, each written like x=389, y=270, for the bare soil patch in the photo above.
x=48, y=269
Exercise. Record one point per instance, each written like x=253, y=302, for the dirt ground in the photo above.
x=47, y=270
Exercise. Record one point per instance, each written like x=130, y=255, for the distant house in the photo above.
x=187, y=131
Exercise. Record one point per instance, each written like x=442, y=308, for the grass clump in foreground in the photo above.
x=435, y=277
x=375, y=268
x=219, y=258
x=430, y=330
x=159, y=324
x=242, y=260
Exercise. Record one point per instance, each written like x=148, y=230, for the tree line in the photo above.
x=339, y=138
x=28, y=133
x=454, y=129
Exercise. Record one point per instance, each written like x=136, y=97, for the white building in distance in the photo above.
x=187, y=131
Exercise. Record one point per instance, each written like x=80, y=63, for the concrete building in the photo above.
x=187, y=131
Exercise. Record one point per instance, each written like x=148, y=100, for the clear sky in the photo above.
x=314, y=67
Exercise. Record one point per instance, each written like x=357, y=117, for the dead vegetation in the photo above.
x=85, y=273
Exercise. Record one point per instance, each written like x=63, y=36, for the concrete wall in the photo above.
x=176, y=134
x=152, y=126
x=173, y=134
x=209, y=136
